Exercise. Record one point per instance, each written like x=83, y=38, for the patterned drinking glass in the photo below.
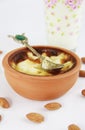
x=63, y=22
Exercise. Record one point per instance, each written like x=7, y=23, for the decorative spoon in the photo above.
x=46, y=64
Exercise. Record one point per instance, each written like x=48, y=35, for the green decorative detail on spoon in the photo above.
x=20, y=37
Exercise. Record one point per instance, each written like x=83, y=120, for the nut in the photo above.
x=35, y=117
x=0, y=52
x=82, y=73
x=83, y=60
x=73, y=127
x=4, y=103
x=52, y=106
x=83, y=92
x=0, y=117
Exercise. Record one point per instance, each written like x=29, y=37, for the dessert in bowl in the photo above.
x=26, y=76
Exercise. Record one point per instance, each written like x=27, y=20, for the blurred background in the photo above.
x=22, y=16
x=26, y=16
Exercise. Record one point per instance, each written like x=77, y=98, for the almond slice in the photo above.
x=35, y=117
x=52, y=106
x=73, y=127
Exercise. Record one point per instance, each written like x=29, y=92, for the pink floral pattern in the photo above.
x=50, y=3
x=73, y=3
x=63, y=22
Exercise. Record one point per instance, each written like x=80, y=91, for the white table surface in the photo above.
x=18, y=16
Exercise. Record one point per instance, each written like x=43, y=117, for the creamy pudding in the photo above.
x=26, y=62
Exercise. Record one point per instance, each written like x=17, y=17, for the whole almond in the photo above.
x=83, y=92
x=52, y=106
x=82, y=73
x=0, y=117
x=83, y=60
x=4, y=103
x=0, y=52
x=73, y=127
x=35, y=117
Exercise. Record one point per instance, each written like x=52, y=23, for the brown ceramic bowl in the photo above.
x=40, y=87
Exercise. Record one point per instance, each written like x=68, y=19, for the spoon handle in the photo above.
x=33, y=50
x=24, y=40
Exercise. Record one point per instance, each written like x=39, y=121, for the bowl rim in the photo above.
x=5, y=64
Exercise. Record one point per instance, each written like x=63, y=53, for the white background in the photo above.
x=18, y=16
